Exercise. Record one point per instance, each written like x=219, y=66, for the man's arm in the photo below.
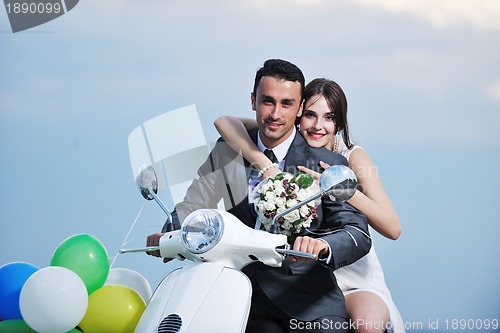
x=204, y=192
x=342, y=241
x=349, y=238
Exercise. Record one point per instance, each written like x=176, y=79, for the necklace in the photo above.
x=335, y=144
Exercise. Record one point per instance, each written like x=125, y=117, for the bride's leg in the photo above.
x=367, y=311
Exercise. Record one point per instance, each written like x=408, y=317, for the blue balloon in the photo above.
x=12, y=278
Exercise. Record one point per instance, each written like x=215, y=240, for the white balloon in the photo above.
x=53, y=300
x=132, y=279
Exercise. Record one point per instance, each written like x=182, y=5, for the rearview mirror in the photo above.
x=147, y=181
x=338, y=181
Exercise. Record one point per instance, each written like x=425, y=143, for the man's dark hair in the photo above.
x=281, y=70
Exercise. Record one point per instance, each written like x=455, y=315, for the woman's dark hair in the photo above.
x=281, y=70
x=336, y=100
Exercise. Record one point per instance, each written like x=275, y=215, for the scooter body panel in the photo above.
x=202, y=297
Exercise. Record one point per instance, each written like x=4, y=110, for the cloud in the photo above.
x=122, y=56
x=494, y=91
x=482, y=14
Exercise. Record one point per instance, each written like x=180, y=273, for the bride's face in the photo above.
x=317, y=123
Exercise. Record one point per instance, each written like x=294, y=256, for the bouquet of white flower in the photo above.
x=274, y=195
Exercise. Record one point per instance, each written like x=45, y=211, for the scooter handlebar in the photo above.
x=296, y=253
x=144, y=249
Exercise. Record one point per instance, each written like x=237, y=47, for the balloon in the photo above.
x=53, y=300
x=12, y=278
x=20, y=326
x=15, y=326
x=86, y=256
x=113, y=309
x=130, y=278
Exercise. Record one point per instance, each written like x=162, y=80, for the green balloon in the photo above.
x=86, y=256
x=15, y=326
x=20, y=326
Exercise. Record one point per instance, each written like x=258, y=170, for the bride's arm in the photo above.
x=373, y=201
x=234, y=131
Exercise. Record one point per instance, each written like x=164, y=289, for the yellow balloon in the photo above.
x=113, y=309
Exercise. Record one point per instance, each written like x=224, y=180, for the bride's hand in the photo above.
x=324, y=165
x=313, y=173
x=271, y=172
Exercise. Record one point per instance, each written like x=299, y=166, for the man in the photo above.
x=300, y=295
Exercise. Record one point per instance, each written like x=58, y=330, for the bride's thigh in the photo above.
x=367, y=311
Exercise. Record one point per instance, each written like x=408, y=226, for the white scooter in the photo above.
x=212, y=294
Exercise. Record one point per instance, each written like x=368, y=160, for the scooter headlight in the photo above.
x=202, y=230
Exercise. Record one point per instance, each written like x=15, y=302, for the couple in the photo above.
x=300, y=294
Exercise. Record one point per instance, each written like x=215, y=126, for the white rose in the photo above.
x=304, y=210
x=280, y=202
x=291, y=202
x=270, y=196
x=278, y=188
x=307, y=223
x=303, y=194
x=270, y=205
x=292, y=216
x=286, y=225
x=277, y=183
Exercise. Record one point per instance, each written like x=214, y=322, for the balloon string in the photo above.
x=125, y=241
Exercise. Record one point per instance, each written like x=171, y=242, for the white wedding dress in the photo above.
x=366, y=274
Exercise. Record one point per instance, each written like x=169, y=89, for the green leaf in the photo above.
x=304, y=181
x=279, y=176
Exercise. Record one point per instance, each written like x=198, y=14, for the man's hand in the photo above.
x=310, y=245
x=154, y=240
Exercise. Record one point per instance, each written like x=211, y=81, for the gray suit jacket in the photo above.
x=303, y=290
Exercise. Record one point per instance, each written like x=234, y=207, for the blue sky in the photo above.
x=422, y=81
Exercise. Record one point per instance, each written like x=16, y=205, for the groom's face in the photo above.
x=277, y=104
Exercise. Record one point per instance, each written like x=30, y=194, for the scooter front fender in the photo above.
x=200, y=297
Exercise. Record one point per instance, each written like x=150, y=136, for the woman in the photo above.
x=368, y=300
